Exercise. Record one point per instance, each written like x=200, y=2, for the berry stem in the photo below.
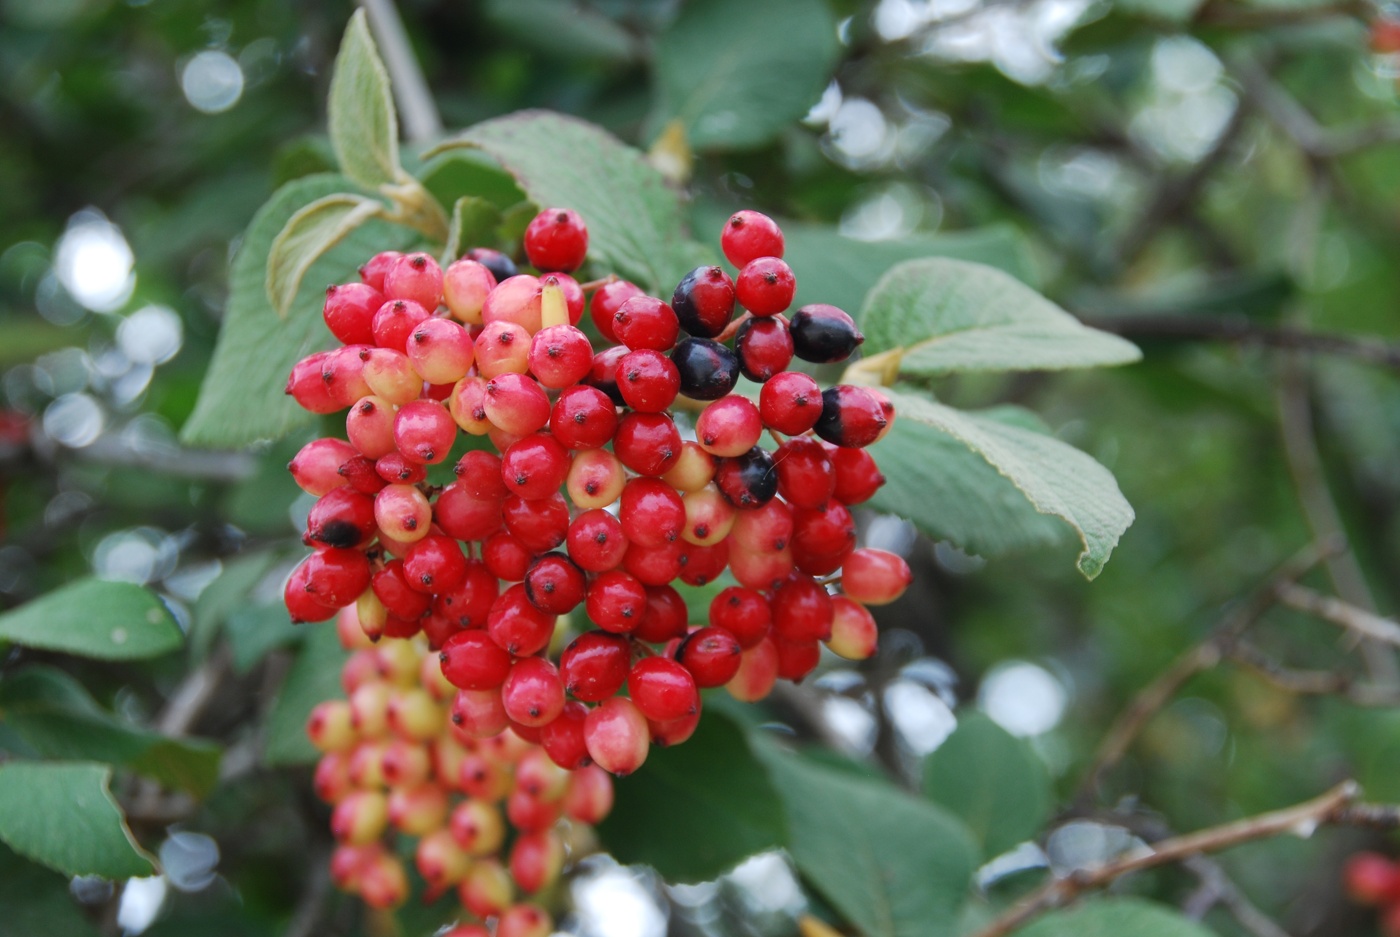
x=732, y=328
x=592, y=285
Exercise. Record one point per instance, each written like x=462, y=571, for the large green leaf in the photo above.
x=1056, y=478
x=951, y=315
x=63, y=816
x=1114, y=917
x=37, y=901
x=582, y=32
x=363, y=126
x=315, y=676
x=951, y=493
x=634, y=220
x=723, y=71
x=307, y=235
x=990, y=780
x=94, y=618
x=242, y=399
x=892, y=865
x=54, y=714
x=254, y=630
x=695, y=810
x=225, y=595
x=835, y=269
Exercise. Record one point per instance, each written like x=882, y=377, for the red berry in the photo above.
x=560, y=356
x=749, y=235
x=469, y=604
x=391, y=587
x=516, y=404
x=556, y=239
x=465, y=286
x=796, y=659
x=472, y=661
x=349, y=312
x=647, y=380
x=416, y=278
x=704, y=301
x=554, y=584
x=743, y=613
x=535, y=467
x=540, y=525
x=654, y=566
x=533, y=694
x=646, y=322
x=434, y=564
x=308, y=389
x=711, y=655
x=651, y=512
x=703, y=564
x=854, y=634
x=424, y=431
x=603, y=374
x=503, y=347
x=395, y=321
x=606, y=302
x=517, y=626
x=563, y=738
x=790, y=403
x=851, y=416
x=764, y=348
x=765, y=286
x=372, y=273
x=729, y=427
x=647, y=443
x=665, y=617
x=616, y=601
x=342, y=517
x=875, y=577
x=465, y=517
x=617, y=736
x=758, y=671
x=505, y=556
x=594, y=665
x=316, y=467
x=304, y=604
x=857, y=475
x=802, y=610
x=1371, y=878
x=596, y=541
x=583, y=418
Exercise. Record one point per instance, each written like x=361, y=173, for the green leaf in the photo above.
x=254, y=630
x=363, y=126
x=37, y=901
x=951, y=493
x=580, y=33
x=63, y=816
x=315, y=676
x=242, y=399
x=634, y=220
x=839, y=270
x=307, y=235
x=474, y=222
x=94, y=618
x=224, y=595
x=694, y=811
x=54, y=714
x=951, y=315
x=990, y=780
x=1056, y=478
x=1114, y=917
x=725, y=74
x=892, y=865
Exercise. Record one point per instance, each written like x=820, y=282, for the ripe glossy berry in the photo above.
x=790, y=403
x=693, y=470
x=646, y=322
x=467, y=406
x=595, y=479
x=806, y=477
x=424, y=431
x=501, y=266
x=372, y=273
x=758, y=671
x=363, y=475
x=464, y=516
x=875, y=577
x=651, y=512
x=617, y=736
x=563, y=739
x=764, y=348
x=595, y=664
x=370, y=426
x=711, y=655
x=304, y=604
x=662, y=689
x=502, y=348
x=465, y=286
x=440, y=350
x=391, y=587
x=505, y=556
x=708, y=517
x=596, y=541
x=336, y=577
x=654, y=565
x=704, y=301
x=560, y=356
x=666, y=615
x=647, y=380
x=590, y=796
x=517, y=301
x=583, y=418
x=749, y=235
x=535, y=467
x=316, y=467
x=478, y=713
x=802, y=610
x=434, y=564
x=647, y=443
x=539, y=525
x=524, y=920
x=603, y=374
x=479, y=474
x=341, y=518
x=516, y=625
x=742, y=613
x=765, y=286
x=729, y=427
x=857, y=475
x=343, y=373
x=395, y=321
x=516, y=404
x=749, y=481
x=606, y=302
x=554, y=584
x=391, y=375
x=469, y=604
x=703, y=564
x=851, y=416
x=402, y=512
x=416, y=278
x=306, y=386
x=796, y=659
x=708, y=370
x=349, y=312
x=392, y=468
x=822, y=333
x=556, y=239
x=533, y=693
x=854, y=634
x=823, y=531
x=616, y=601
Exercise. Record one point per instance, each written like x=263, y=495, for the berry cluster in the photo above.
x=390, y=762
x=485, y=568
x=1373, y=879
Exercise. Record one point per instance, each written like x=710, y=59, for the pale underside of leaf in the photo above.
x=307, y=236
x=1056, y=478
x=362, y=122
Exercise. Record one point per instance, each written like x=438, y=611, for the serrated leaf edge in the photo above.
x=284, y=282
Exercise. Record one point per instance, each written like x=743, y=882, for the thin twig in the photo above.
x=418, y=111
x=1203, y=656
x=1311, y=682
x=1242, y=330
x=1353, y=618
x=1316, y=141
x=1301, y=819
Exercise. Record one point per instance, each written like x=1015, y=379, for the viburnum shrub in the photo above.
x=517, y=634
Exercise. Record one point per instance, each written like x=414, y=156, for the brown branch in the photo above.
x=1311, y=682
x=1241, y=330
x=1316, y=141
x=1203, y=656
x=418, y=112
x=1353, y=618
x=1337, y=806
